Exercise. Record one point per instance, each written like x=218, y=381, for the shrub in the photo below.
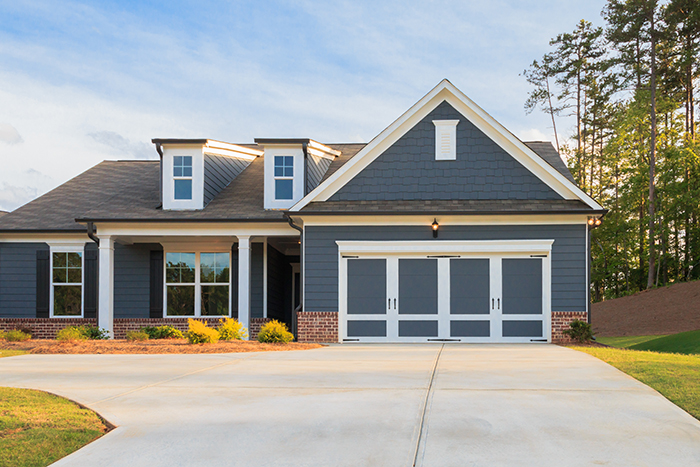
x=199, y=333
x=93, y=332
x=72, y=334
x=231, y=329
x=163, y=332
x=16, y=336
x=274, y=331
x=136, y=336
x=580, y=331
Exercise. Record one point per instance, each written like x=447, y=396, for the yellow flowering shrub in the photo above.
x=200, y=333
x=231, y=329
x=274, y=331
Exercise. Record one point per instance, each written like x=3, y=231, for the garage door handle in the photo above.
x=499, y=303
x=389, y=304
x=492, y=304
x=394, y=304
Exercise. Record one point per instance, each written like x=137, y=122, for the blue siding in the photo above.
x=316, y=168
x=408, y=169
x=132, y=266
x=219, y=171
x=18, y=279
x=568, y=256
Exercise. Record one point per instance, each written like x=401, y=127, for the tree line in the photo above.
x=631, y=87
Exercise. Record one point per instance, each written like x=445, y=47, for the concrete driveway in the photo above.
x=374, y=405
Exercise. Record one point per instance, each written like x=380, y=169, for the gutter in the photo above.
x=159, y=150
x=295, y=330
x=304, y=149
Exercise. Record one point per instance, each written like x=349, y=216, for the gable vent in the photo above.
x=445, y=140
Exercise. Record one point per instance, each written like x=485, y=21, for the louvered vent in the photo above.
x=445, y=140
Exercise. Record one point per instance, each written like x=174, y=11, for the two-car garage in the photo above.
x=465, y=291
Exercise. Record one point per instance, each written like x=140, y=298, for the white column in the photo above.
x=105, y=302
x=244, y=281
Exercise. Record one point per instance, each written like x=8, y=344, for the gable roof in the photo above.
x=545, y=170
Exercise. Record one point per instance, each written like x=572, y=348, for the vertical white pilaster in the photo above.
x=244, y=281
x=105, y=303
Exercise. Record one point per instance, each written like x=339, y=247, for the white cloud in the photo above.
x=9, y=134
x=533, y=134
x=121, y=146
x=12, y=197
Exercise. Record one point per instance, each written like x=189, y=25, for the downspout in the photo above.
x=159, y=149
x=301, y=273
x=91, y=233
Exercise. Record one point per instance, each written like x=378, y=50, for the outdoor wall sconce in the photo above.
x=594, y=222
x=435, y=228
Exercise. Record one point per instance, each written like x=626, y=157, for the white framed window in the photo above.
x=197, y=283
x=284, y=177
x=445, y=140
x=182, y=177
x=67, y=283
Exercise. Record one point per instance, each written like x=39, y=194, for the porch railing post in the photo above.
x=244, y=281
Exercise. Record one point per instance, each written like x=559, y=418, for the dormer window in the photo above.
x=284, y=177
x=182, y=177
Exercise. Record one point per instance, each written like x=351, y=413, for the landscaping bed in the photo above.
x=159, y=346
x=38, y=428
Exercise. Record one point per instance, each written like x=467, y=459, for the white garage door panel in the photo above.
x=468, y=297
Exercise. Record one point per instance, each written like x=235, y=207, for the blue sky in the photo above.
x=84, y=82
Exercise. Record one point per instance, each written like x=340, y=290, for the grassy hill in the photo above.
x=684, y=342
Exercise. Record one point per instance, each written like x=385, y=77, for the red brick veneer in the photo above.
x=43, y=328
x=46, y=328
x=561, y=321
x=317, y=326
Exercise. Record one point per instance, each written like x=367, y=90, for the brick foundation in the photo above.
x=317, y=326
x=47, y=328
x=560, y=322
x=43, y=328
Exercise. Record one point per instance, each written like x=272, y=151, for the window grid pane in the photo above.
x=182, y=166
x=179, y=268
x=284, y=166
x=67, y=300
x=183, y=189
x=67, y=268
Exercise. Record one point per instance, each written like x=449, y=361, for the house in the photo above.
x=444, y=227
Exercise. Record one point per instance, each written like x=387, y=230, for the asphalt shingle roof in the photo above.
x=507, y=206
x=130, y=190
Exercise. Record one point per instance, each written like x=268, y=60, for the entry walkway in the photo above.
x=371, y=405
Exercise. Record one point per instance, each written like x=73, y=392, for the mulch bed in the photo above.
x=666, y=310
x=161, y=346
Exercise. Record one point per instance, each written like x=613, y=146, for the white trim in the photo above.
x=105, y=301
x=445, y=247
x=330, y=153
x=234, y=150
x=229, y=154
x=170, y=231
x=427, y=220
x=446, y=91
x=69, y=247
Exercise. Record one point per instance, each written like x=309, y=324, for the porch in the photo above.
x=156, y=275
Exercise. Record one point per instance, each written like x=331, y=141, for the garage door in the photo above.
x=438, y=298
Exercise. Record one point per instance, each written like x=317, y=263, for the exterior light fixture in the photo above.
x=435, y=228
x=594, y=222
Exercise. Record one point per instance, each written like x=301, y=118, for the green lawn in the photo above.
x=683, y=342
x=11, y=353
x=675, y=376
x=624, y=342
x=37, y=428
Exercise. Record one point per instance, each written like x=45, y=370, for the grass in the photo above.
x=675, y=376
x=37, y=428
x=624, y=342
x=11, y=353
x=683, y=342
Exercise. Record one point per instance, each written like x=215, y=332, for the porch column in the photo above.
x=244, y=281
x=105, y=302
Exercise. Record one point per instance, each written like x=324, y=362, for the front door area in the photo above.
x=466, y=297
